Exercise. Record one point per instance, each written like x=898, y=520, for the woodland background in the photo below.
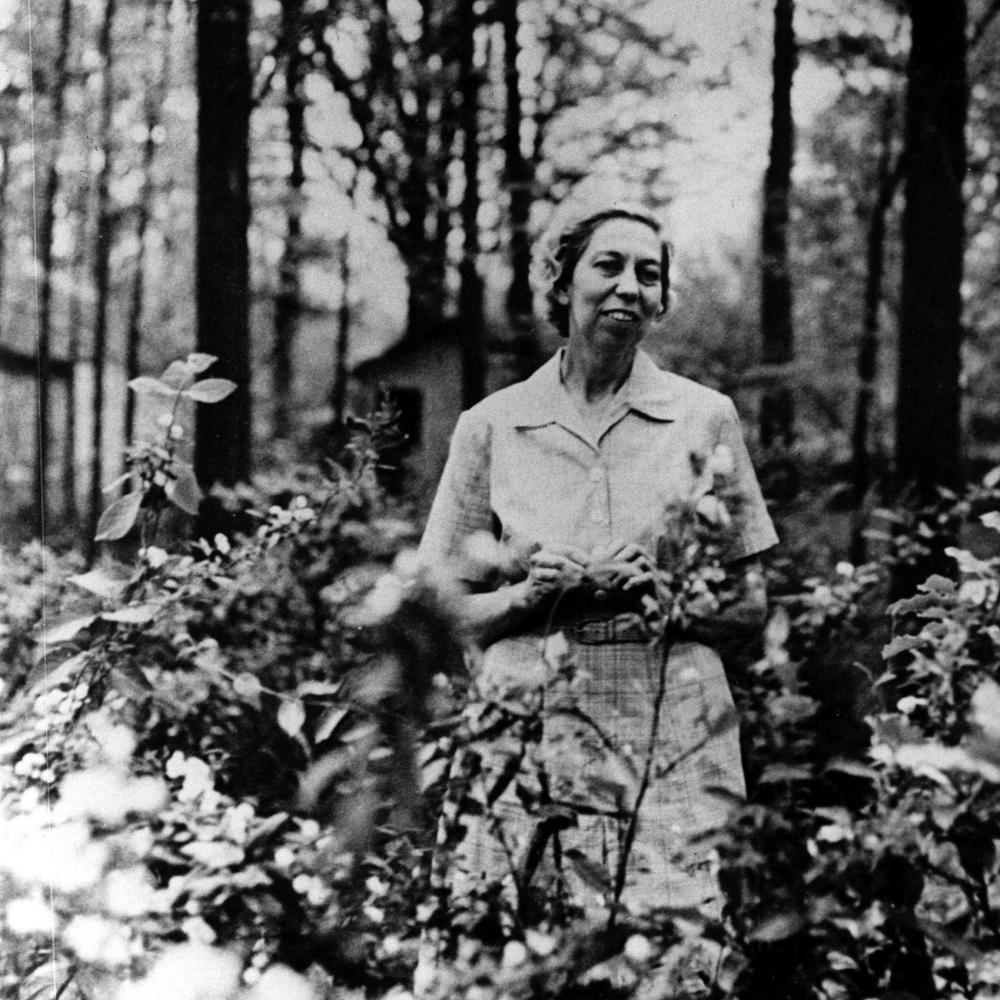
x=237, y=735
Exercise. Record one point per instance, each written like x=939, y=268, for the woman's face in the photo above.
x=616, y=286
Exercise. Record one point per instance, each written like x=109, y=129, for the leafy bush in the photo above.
x=237, y=768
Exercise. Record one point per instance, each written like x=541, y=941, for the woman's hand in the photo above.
x=626, y=567
x=551, y=569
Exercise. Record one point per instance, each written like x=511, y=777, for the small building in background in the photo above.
x=422, y=378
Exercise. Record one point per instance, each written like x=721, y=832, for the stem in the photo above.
x=633, y=823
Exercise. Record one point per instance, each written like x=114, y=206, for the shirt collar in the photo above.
x=544, y=398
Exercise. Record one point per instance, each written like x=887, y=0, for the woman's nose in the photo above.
x=628, y=285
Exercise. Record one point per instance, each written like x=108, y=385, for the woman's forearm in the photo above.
x=496, y=613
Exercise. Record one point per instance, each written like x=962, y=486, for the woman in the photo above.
x=574, y=471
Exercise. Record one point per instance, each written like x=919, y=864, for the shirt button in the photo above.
x=597, y=516
x=600, y=594
x=596, y=474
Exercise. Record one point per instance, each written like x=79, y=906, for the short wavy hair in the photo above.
x=559, y=249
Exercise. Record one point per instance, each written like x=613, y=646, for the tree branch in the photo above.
x=984, y=23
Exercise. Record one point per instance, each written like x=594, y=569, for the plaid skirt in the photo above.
x=620, y=722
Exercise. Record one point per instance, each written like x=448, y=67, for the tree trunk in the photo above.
x=71, y=511
x=338, y=391
x=156, y=92
x=102, y=287
x=887, y=180
x=777, y=414
x=4, y=186
x=471, y=284
x=223, y=430
x=519, y=180
x=45, y=251
x=288, y=305
x=928, y=406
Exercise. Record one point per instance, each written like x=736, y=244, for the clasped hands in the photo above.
x=554, y=568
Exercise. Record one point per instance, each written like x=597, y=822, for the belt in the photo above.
x=626, y=627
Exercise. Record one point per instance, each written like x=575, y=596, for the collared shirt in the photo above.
x=525, y=466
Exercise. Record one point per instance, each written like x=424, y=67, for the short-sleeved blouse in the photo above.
x=524, y=465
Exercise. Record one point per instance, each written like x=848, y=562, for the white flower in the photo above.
x=176, y=432
x=713, y=510
x=190, y=971
x=97, y=792
x=155, y=556
x=29, y=915
x=197, y=779
x=638, y=949
x=383, y=600
x=845, y=569
x=555, y=649
x=910, y=703
x=97, y=940
x=376, y=886
x=222, y=544
x=284, y=857
x=514, y=954
x=720, y=462
x=375, y=914
x=175, y=765
x=318, y=892
x=213, y=853
x=165, y=419
x=281, y=983
x=541, y=944
x=146, y=795
x=128, y=892
x=196, y=929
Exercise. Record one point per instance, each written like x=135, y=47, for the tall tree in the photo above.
x=777, y=345
x=288, y=302
x=156, y=86
x=519, y=181
x=103, y=236
x=928, y=405
x=887, y=179
x=471, y=287
x=46, y=259
x=223, y=431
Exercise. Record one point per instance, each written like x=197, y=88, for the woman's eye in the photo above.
x=650, y=277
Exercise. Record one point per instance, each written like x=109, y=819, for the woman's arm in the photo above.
x=491, y=615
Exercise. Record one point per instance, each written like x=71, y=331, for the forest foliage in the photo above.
x=237, y=750
x=239, y=766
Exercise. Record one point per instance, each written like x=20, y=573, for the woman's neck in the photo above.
x=590, y=378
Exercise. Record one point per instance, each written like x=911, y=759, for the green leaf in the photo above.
x=117, y=521
x=329, y=723
x=64, y=628
x=132, y=614
x=146, y=386
x=247, y=687
x=291, y=717
x=776, y=773
x=131, y=680
x=592, y=874
x=177, y=375
x=210, y=390
x=44, y=677
x=777, y=926
x=902, y=644
x=197, y=362
x=101, y=583
x=991, y=519
x=184, y=490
